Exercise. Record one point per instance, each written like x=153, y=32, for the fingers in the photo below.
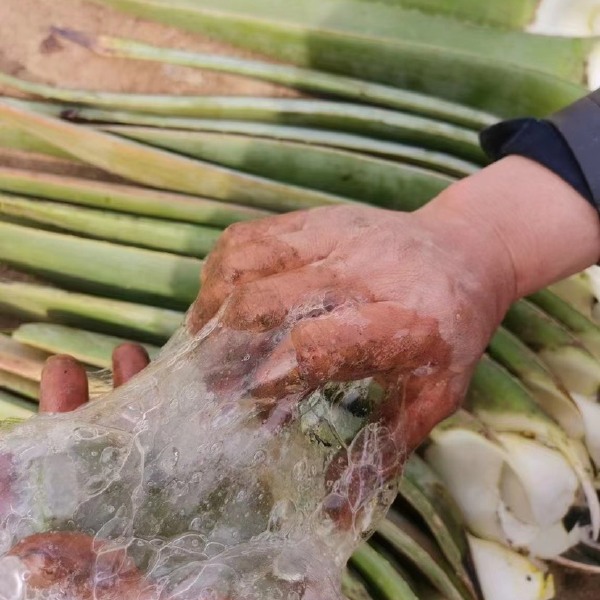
x=264, y=257
x=128, y=360
x=354, y=342
x=264, y=304
x=64, y=385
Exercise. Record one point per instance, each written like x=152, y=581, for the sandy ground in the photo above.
x=29, y=49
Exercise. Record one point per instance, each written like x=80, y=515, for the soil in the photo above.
x=30, y=50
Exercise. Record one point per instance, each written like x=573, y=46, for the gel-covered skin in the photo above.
x=186, y=484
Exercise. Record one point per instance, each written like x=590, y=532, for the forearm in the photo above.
x=523, y=218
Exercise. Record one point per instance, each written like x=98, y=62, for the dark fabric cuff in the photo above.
x=543, y=142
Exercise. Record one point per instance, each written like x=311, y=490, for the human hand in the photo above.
x=64, y=384
x=69, y=562
x=411, y=299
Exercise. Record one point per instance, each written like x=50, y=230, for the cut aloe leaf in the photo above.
x=342, y=173
x=562, y=351
x=487, y=478
x=367, y=41
x=509, y=14
x=577, y=291
x=353, y=588
x=102, y=266
x=159, y=168
x=304, y=79
x=172, y=111
x=178, y=238
x=380, y=575
x=43, y=303
x=504, y=404
x=20, y=385
x=21, y=360
x=409, y=544
x=504, y=574
x=426, y=493
x=583, y=326
x=89, y=347
x=15, y=407
x=124, y=198
x=545, y=388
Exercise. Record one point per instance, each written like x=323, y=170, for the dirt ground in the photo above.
x=28, y=49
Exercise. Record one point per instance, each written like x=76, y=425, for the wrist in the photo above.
x=523, y=223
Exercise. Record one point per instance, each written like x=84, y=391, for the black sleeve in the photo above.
x=567, y=143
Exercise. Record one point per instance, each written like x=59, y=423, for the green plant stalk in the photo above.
x=439, y=574
x=20, y=385
x=426, y=493
x=159, y=168
x=509, y=14
x=353, y=587
x=92, y=265
x=127, y=199
x=350, y=20
x=436, y=161
x=577, y=291
x=320, y=114
x=561, y=350
x=509, y=351
x=304, y=79
x=14, y=138
x=43, y=303
x=178, y=238
x=15, y=407
x=357, y=176
x=381, y=575
x=503, y=403
x=362, y=42
x=89, y=347
x=586, y=330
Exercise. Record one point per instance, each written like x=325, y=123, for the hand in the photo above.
x=68, y=562
x=64, y=384
x=411, y=299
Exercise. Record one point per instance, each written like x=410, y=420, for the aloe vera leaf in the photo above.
x=502, y=402
x=124, y=198
x=403, y=539
x=380, y=575
x=353, y=588
x=308, y=138
x=15, y=407
x=14, y=138
x=348, y=174
x=504, y=573
x=426, y=493
x=109, y=268
x=564, y=354
x=305, y=79
x=437, y=161
x=545, y=387
x=21, y=360
x=89, y=347
x=20, y=385
x=159, y=168
x=510, y=14
x=338, y=37
x=320, y=114
x=584, y=327
x=179, y=238
x=45, y=303
x=577, y=291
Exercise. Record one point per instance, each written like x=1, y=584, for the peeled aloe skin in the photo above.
x=205, y=487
